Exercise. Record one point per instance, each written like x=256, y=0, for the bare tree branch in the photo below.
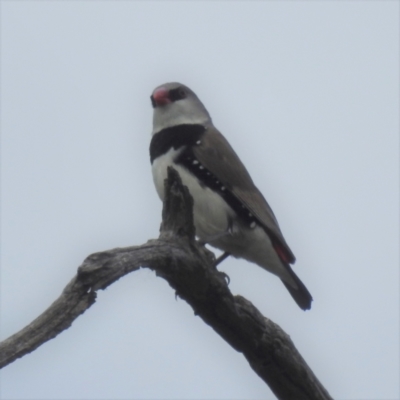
x=189, y=269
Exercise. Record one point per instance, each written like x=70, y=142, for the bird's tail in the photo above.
x=301, y=295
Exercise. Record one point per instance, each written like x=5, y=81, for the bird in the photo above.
x=229, y=211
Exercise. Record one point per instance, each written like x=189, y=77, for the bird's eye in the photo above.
x=177, y=94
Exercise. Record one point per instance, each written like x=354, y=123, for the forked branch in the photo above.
x=189, y=269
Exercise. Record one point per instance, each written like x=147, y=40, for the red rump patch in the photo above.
x=282, y=252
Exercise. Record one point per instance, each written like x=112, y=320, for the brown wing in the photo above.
x=216, y=154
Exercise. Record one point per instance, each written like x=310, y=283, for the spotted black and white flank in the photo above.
x=229, y=211
x=184, y=137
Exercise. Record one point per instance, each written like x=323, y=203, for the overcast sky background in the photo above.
x=308, y=95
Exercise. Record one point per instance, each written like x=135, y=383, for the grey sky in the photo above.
x=308, y=95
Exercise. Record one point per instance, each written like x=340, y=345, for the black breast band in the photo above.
x=175, y=137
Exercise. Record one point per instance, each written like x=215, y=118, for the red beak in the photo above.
x=161, y=97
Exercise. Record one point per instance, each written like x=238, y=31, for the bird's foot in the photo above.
x=221, y=258
x=218, y=261
x=226, y=277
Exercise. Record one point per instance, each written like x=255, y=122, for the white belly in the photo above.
x=213, y=217
x=211, y=213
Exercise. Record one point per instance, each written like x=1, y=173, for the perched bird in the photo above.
x=230, y=213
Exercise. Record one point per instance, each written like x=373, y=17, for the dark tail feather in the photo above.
x=300, y=295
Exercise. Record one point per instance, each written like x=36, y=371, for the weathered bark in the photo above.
x=188, y=268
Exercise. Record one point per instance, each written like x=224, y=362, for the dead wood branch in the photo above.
x=188, y=268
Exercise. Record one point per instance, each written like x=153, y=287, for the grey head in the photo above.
x=175, y=104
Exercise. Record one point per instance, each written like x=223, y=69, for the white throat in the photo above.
x=179, y=120
x=178, y=113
